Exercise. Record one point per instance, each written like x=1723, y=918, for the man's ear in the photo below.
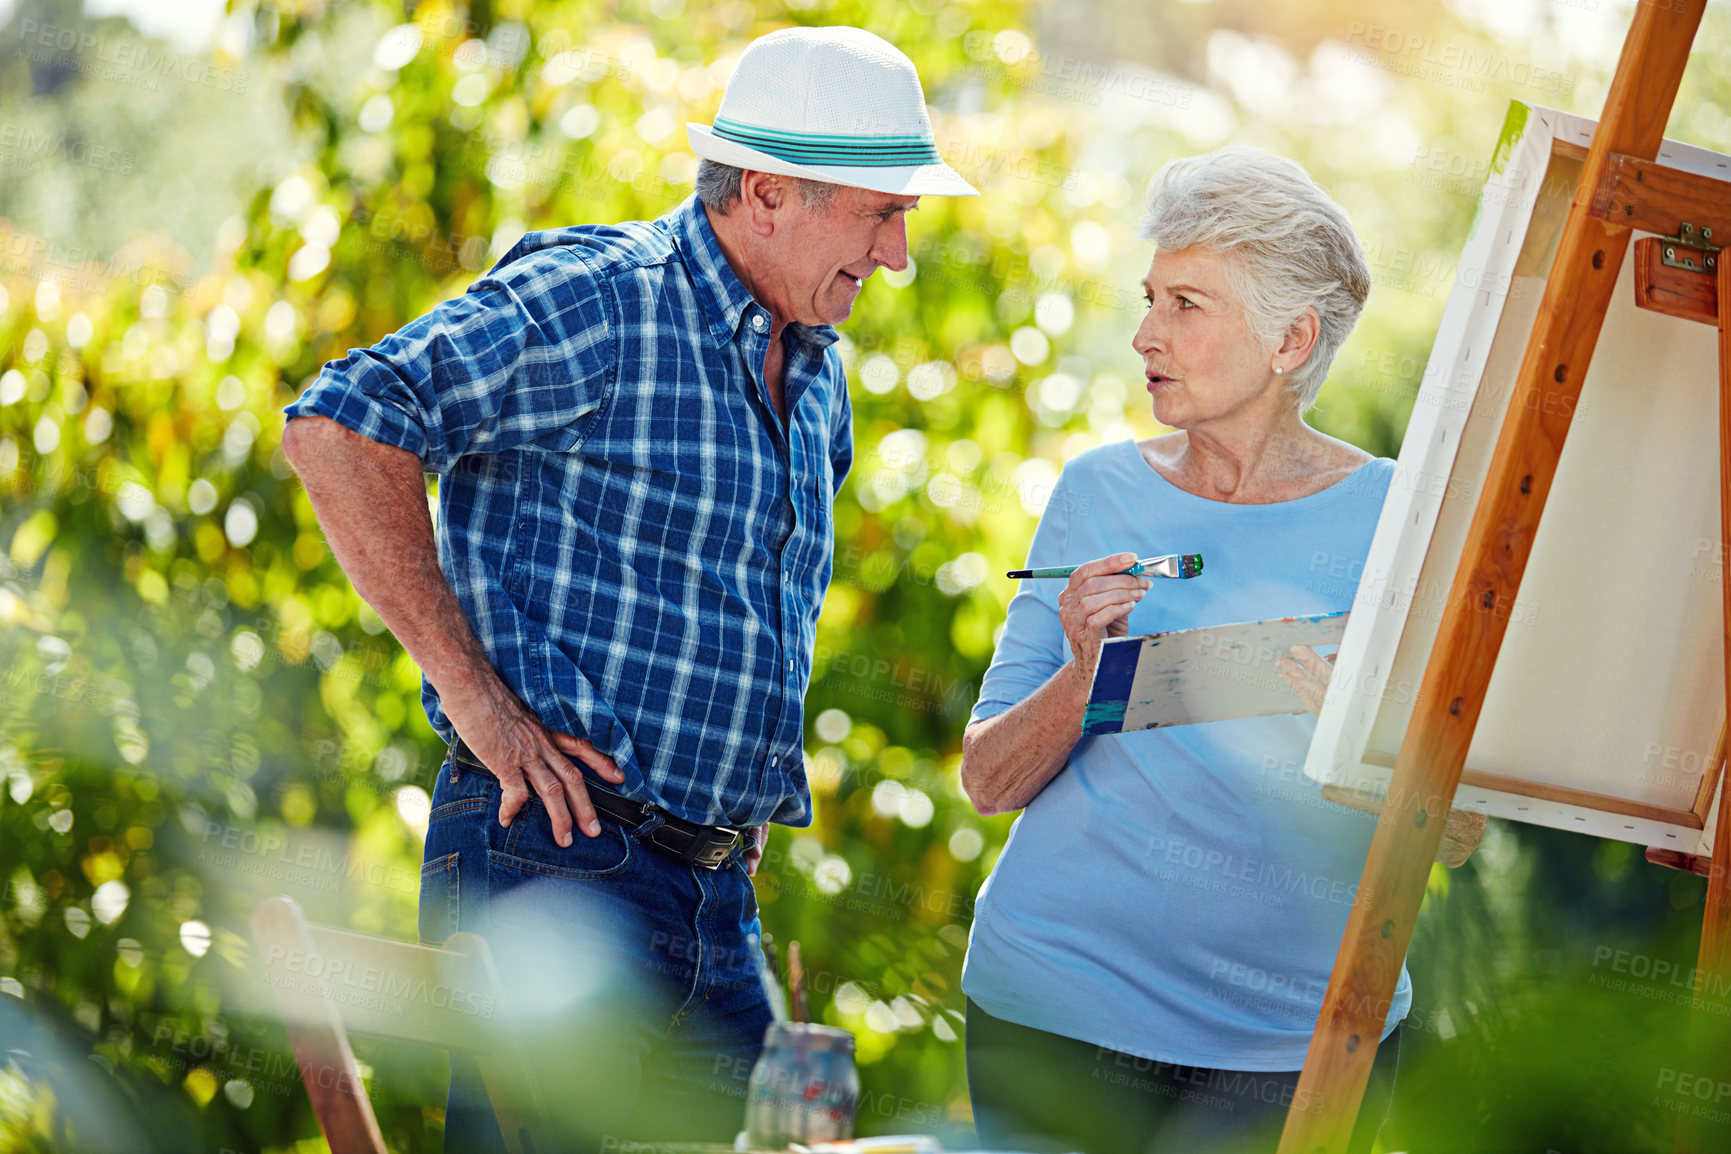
x=764, y=195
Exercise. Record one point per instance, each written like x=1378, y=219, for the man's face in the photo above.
x=816, y=261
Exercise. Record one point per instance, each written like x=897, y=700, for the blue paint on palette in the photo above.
x=1116, y=671
x=1112, y=680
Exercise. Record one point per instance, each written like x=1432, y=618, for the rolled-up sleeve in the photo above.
x=1032, y=645
x=521, y=357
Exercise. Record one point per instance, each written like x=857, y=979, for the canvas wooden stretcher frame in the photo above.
x=1605, y=712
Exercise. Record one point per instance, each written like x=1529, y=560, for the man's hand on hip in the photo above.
x=755, y=839
x=524, y=754
x=371, y=500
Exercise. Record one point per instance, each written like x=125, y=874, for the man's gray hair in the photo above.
x=1290, y=246
x=718, y=188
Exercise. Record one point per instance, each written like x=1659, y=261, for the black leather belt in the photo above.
x=693, y=844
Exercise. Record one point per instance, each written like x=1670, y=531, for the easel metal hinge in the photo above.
x=1690, y=249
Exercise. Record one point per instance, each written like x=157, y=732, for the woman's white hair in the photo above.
x=1290, y=246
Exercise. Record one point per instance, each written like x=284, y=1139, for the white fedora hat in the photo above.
x=838, y=105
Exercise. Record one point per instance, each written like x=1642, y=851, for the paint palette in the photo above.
x=1215, y=673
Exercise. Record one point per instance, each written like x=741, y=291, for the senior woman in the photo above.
x=1149, y=955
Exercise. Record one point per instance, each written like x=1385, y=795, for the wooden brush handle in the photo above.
x=797, y=1010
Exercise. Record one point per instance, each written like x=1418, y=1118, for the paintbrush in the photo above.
x=1181, y=565
x=771, y=983
x=796, y=984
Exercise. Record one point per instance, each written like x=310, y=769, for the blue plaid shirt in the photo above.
x=641, y=545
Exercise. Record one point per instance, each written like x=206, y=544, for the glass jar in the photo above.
x=804, y=1087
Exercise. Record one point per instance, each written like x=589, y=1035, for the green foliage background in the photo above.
x=198, y=711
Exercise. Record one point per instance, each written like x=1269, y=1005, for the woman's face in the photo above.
x=1203, y=363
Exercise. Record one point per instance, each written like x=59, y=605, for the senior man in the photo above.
x=639, y=430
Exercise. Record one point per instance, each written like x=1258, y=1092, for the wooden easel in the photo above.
x=1621, y=190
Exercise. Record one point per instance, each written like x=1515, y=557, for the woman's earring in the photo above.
x=1278, y=371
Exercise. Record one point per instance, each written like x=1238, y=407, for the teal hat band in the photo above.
x=832, y=151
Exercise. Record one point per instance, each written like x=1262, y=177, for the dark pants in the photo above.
x=1043, y=1092
x=631, y=981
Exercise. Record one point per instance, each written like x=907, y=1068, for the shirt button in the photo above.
x=759, y=323
x=790, y=665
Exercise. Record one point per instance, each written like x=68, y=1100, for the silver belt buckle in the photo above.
x=716, y=852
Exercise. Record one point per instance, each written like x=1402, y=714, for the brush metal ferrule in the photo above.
x=1176, y=565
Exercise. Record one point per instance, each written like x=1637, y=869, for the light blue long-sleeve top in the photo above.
x=1178, y=894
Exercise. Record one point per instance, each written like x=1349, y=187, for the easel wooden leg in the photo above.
x=1572, y=311
x=1710, y=1049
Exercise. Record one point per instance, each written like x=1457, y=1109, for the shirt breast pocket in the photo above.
x=569, y=437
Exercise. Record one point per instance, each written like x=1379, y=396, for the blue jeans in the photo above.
x=632, y=982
